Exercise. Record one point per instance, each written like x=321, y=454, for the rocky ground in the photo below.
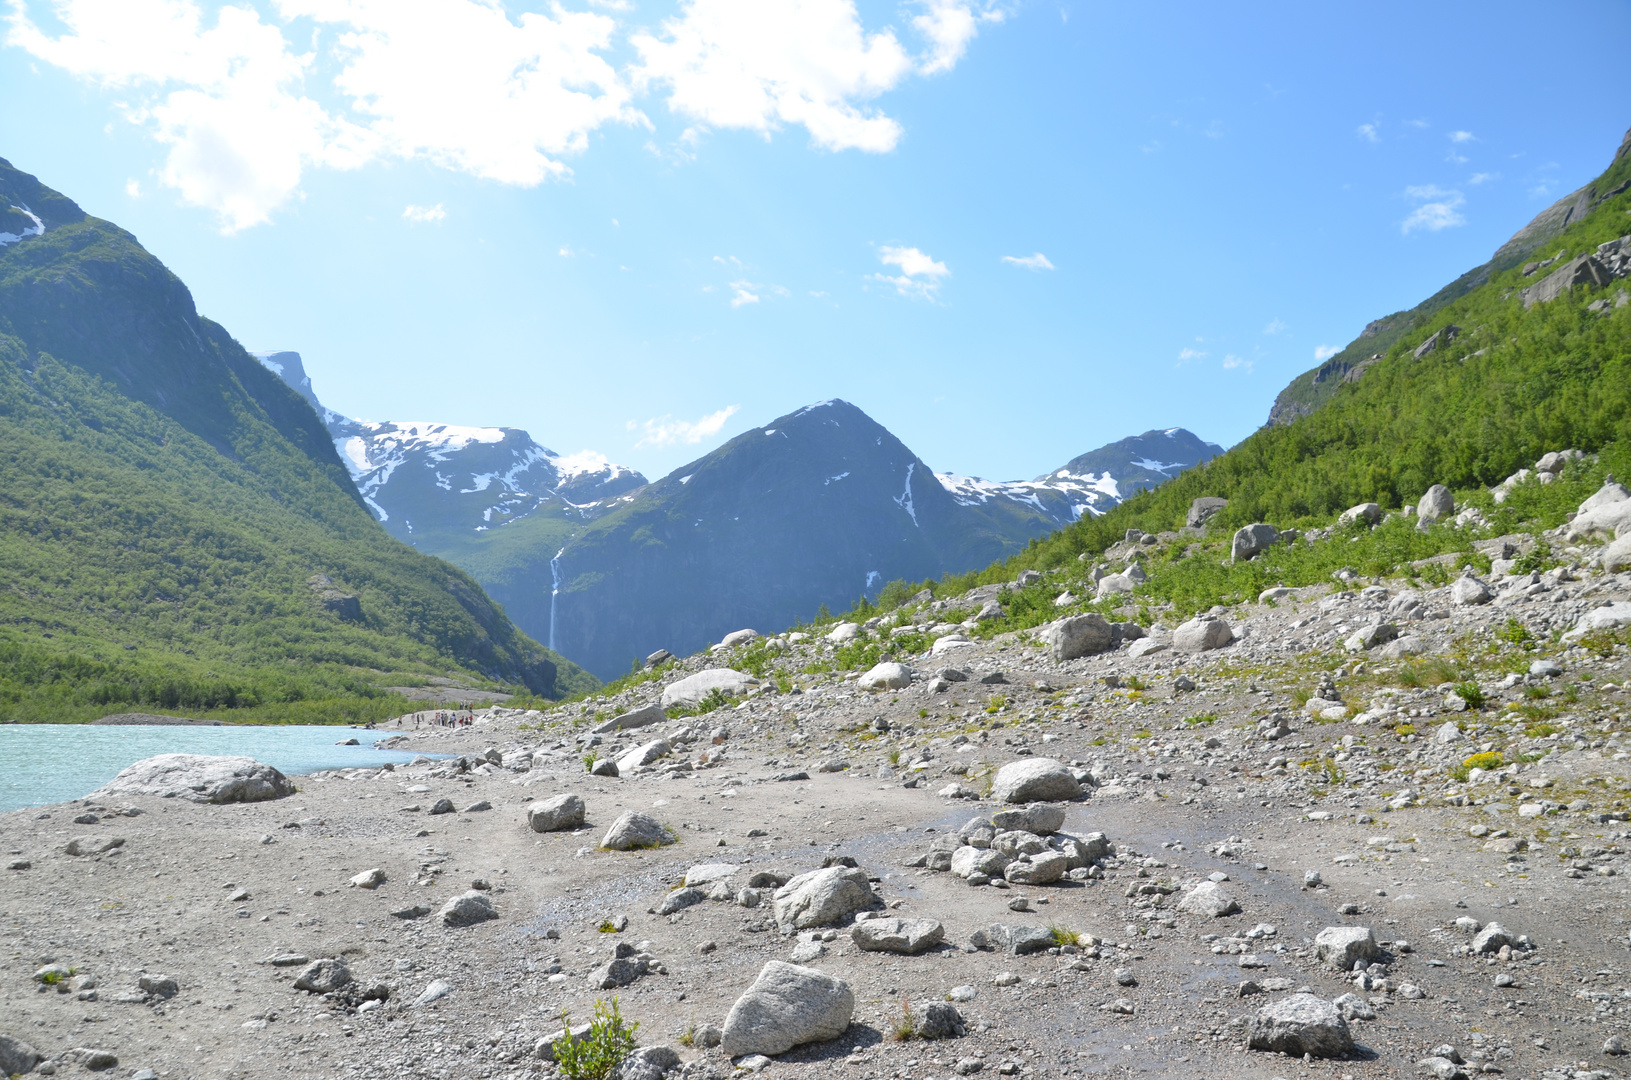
x=1307, y=768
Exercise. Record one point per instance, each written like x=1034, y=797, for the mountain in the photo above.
x=1523, y=358
x=818, y=507
x=1314, y=387
x=176, y=528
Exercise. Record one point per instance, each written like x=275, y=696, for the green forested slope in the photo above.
x=169, y=510
x=1516, y=383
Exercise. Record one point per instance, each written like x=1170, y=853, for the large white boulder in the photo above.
x=1609, y=617
x=1077, y=635
x=563, y=811
x=1035, y=780
x=1209, y=900
x=886, y=676
x=821, y=897
x=787, y=1006
x=1252, y=540
x=1340, y=946
x=1606, y=513
x=1301, y=1024
x=1436, y=503
x=844, y=631
x=905, y=936
x=693, y=688
x=644, y=754
x=199, y=778
x=1202, y=634
x=636, y=830
x=638, y=718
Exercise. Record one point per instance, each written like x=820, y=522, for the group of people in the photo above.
x=445, y=718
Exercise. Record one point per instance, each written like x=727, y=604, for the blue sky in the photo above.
x=1011, y=232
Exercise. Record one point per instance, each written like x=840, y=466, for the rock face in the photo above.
x=1340, y=946
x=16, y=1056
x=1202, y=635
x=692, y=689
x=1209, y=900
x=1035, y=780
x=1435, y=504
x=563, y=811
x=636, y=830
x=1078, y=635
x=1203, y=510
x=323, y=976
x=905, y=936
x=886, y=676
x=1301, y=1024
x=787, y=1006
x=199, y=778
x=1252, y=540
x=821, y=897
x=468, y=909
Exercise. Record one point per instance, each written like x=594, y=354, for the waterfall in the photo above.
x=554, y=591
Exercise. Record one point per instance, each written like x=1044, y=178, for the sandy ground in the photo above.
x=1186, y=787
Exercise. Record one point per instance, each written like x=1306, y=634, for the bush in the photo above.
x=1471, y=693
x=609, y=1040
x=1488, y=762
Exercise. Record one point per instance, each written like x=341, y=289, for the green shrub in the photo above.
x=608, y=1041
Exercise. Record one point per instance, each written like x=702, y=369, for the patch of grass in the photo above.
x=904, y=1028
x=1537, y=693
x=1536, y=714
x=996, y=703
x=1541, y=731
x=1200, y=719
x=1063, y=936
x=1404, y=729
x=1471, y=693
x=589, y=762
x=607, y=926
x=688, y=1037
x=1514, y=632
x=1489, y=762
x=608, y=1041
x=1135, y=683
x=716, y=699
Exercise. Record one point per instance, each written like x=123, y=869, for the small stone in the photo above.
x=443, y=806
x=435, y=991
x=1124, y=977
x=323, y=976
x=369, y=879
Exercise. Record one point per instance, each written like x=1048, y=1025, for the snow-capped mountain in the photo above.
x=432, y=484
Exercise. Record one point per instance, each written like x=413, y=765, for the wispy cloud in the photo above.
x=1323, y=353
x=1038, y=261
x=920, y=274
x=425, y=215
x=1439, y=209
x=1461, y=136
x=1231, y=361
x=1370, y=132
x=1483, y=177
x=1190, y=354
x=666, y=431
x=1275, y=326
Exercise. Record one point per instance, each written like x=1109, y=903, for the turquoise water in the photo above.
x=49, y=763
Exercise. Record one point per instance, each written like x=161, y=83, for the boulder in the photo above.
x=1606, y=512
x=1301, y=1024
x=939, y=1020
x=1040, y=868
x=1468, y=590
x=1014, y=940
x=323, y=976
x=844, y=631
x=646, y=1063
x=1369, y=513
x=1435, y=504
x=1252, y=540
x=1203, y=510
x=644, y=754
x=1340, y=946
x=1617, y=555
x=369, y=879
x=787, y=1006
x=1612, y=616
x=1585, y=269
x=905, y=936
x=972, y=860
x=468, y=909
x=1209, y=900
x=558, y=812
x=886, y=676
x=680, y=899
x=708, y=873
x=1491, y=939
x=1077, y=635
x=1202, y=634
x=1115, y=584
x=737, y=637
x=198, y=778
x=639, y=718
x=604, y=767
x=1408, y=645
x=692, y=689
x=1017, y=842
x=1157, y=642
x=1035, y=780
x=1369, y=636
x=658, y=659
x=1038, y=818
x=636, y=830
x=821, y=897
x=16, y=1056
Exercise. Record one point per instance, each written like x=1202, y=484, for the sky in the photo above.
x=1009, y=230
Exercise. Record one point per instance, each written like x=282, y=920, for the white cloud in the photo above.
x=1323, y=353
x=742, y=294
x=1439, y=209
x=755, y=65
x=425, y=215
x=1370, y=132
x=1231, y=361
x=1460, y=136
x=1274, y=326
x=920, y=275
x=566, y=251
x=949, y=25
x=1483, y=178
x=666, y=431
x=1190, y=354
x=133, y=189
x=1038, y=261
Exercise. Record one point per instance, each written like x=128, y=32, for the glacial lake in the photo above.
x=51, y=763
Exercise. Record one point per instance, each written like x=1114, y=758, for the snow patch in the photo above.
x=37, y=230
x=831, y=479
x=904, y=499
x=686, y=479
x=1162, y=467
